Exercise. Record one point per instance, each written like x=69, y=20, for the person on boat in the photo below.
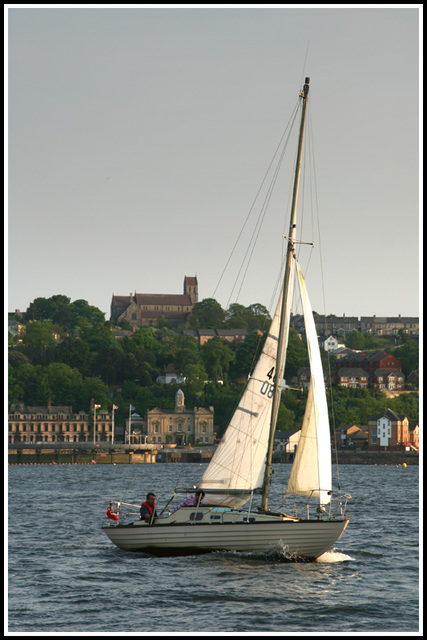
x=191, y=501
x=148, y=508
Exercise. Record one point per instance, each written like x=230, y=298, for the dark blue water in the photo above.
x=66, y=577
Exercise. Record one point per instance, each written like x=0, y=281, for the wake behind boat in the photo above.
x=241, y=466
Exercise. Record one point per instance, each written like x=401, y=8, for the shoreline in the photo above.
x=175, y=456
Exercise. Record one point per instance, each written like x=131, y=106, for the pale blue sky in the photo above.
x=138, y=138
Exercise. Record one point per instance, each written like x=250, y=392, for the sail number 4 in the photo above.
x=267, y=388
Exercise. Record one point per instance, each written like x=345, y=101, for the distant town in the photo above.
x=70, y=370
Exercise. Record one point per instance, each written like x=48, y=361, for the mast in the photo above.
x=286, y=305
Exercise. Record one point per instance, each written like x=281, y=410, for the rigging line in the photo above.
x=258, y=227
x=289, y=124
x=261, y=217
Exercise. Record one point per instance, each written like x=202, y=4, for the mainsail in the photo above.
x=311, y=473
x=238, y=463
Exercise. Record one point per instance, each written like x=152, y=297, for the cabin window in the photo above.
x=196, y=516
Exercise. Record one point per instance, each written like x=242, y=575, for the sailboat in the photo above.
x=227, y=519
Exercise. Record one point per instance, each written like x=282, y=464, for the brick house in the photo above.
x=370, y=361
x=386, y=379
x=388, y=431
x=353, y=377
x=354, y=435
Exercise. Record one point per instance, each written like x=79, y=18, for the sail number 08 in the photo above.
x=267, y=388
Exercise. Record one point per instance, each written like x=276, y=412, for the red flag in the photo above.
x=111, y=515
x=115, y=406
x=97, y=406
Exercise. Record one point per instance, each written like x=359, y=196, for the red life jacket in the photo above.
x=150, y=509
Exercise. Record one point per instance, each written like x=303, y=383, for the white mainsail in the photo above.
x=312, y=469
x=239, y=461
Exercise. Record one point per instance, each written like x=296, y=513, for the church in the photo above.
x=145, y=309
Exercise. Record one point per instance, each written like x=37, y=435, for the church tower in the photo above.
x=191, y=288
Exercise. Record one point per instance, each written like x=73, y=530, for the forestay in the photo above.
x=312, y=470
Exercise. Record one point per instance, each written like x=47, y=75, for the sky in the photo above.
x=138, y=137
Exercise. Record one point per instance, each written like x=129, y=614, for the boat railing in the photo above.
x=303, y=511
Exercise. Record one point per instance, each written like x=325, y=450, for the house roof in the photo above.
x=387, y=413
x=354, y=372
x=386, y=373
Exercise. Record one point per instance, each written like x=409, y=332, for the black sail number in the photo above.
x=267, y=389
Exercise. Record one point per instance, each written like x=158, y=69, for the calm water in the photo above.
x=66, y=577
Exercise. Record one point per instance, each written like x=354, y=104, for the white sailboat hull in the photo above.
x=298, y=539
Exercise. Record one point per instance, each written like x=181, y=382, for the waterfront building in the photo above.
x=40, y=424
x=389, y=431
x=180, y=426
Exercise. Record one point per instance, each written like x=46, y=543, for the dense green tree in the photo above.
x=33, y=380
x=16, y=390
x=285, y=418
x=355, y=340
x=246, y=355
x=296, y=356
x=64, y=384
x=195, y=376
x=97, y=336
x=207, y=314
x=82, y=309
x=188, y=353
x=77, y=354
x=110, y=364
x=217, y=356
x=16, y=358
x=408, y=354
x=39, y=341
x=92, y=388
x=254, y=317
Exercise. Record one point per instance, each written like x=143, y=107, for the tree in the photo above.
x=246, y=355
x=33, y=381
x=82, y=309
x=296, y=356
x=77, y=354
x=92, y=388
x=38, y=341
x=64, y=384
x=195, y=376
x=110, y=364
x=217, y=356
x=254, y=317
x=207, y=314
x=355, y=340
x=408, y=354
